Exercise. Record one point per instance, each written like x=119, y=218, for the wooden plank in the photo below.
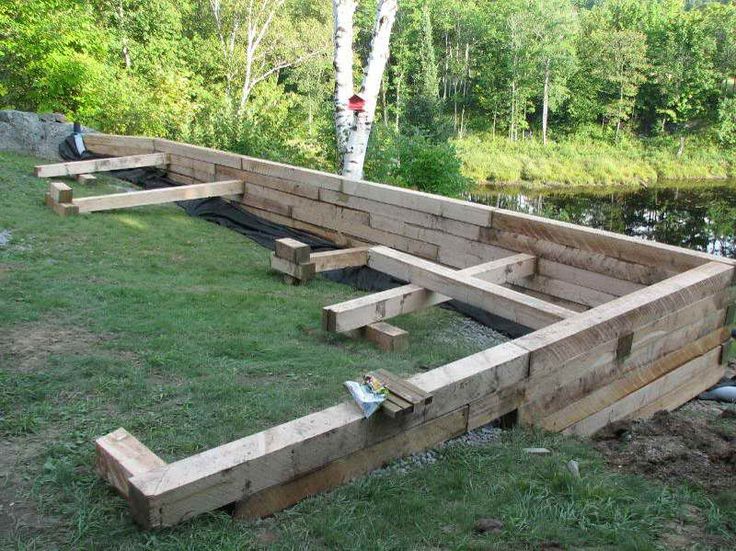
x=120, y=456
x=568, y=382
x=375, y=307
x=142, y=143
x=341, y=471
x=301, y=272
x=204, y=154
x=101, y=165
x=491, y=297
x=85, y=178
x=387, y=337
x=629, y=382
x=554, y=345
x=704, y=368
x=586, y=278
x=577, y=258
x=293, y=250
x=340, y=258
x=564, y=290
x=158, y=196
x=403, y=388
x=244, y=467
x=60, y=192
x=629, y=249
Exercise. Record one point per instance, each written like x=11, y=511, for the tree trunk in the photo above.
x=354, y=158
x=343, y=11
x=545, y=102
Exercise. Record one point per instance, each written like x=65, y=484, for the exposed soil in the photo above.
x=28, y=346
x=692, y=444
x=18, y=514
x=695, y=444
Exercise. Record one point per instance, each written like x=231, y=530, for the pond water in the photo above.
x=697, y=216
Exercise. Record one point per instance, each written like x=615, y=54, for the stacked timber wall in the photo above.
x=650, y=331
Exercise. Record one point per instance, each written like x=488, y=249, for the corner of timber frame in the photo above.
x=619, y=327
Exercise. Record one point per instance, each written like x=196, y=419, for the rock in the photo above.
x=537, y=451
x=485, y=525
x=574, y=468
x=33, y=134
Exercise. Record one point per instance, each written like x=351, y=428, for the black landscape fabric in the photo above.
x=265, y=233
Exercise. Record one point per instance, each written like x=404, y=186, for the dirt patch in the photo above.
x=27, y=347
x=684, y=445
x=695, y=444
x=18, y=514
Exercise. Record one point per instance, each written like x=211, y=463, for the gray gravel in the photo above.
x=477, y=334
x=479, y=437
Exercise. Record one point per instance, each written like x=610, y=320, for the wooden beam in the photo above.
x=60, y=192
x=292, y=250
x=376, y=307
x=244, y=467
x=512, y=305
x=121, y=456
x=387, y=337
x=158, y=196
x=101, y=165
x=339, y=258
x=85, y=178
x=704, y=371
x=553, y=346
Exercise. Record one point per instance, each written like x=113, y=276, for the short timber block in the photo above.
x=300, y=272
x=85, y=178
x=404, y=397
x=121, y=456
x=60, y=192
x=292, y=250
x=387, y=337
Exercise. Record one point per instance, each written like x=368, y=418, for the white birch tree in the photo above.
x=356, y=127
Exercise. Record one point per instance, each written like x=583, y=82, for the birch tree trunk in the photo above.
x=545, y=102
x=343, y=11
x=354, y=158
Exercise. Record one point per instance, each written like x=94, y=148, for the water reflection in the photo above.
x=697, y=217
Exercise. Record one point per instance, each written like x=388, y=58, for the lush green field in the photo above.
x=175, y=329
x=580, y=162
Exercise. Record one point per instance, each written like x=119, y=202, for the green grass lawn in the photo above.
x=175, y=329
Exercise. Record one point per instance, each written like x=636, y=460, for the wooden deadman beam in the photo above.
x=66, y=204
x=101, y=165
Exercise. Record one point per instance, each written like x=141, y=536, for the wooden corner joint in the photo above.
x=291, y=258
x=404, y=398
x=60, y=198
x=120, y=456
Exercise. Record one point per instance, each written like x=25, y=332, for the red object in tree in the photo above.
x=356, y=103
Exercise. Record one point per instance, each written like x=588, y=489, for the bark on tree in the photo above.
x=343, y=11
x=545, y=102
x=360, y=131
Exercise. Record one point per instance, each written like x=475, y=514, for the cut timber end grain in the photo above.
x=85, y=178
x=121, y=456
x=293, y=250
x=387, y=337
x=60, y=192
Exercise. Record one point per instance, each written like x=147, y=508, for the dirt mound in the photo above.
x=696, y=444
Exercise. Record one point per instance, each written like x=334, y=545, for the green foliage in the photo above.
x=727, y=122
x=415, y=162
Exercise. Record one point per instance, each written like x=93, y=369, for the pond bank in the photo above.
x=699, y=215
x=630, y=163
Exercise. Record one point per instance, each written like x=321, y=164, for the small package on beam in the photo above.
x=369, y=395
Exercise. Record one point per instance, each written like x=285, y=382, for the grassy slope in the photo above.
x=175, y=329
x=579, y=162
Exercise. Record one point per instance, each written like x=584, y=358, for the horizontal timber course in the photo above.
x=623, y=328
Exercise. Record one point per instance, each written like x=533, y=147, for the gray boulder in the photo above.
x=33, y=134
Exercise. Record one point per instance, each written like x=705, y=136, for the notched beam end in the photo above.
x=120, y=456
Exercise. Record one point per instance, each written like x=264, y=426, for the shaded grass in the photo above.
x=187, y=340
